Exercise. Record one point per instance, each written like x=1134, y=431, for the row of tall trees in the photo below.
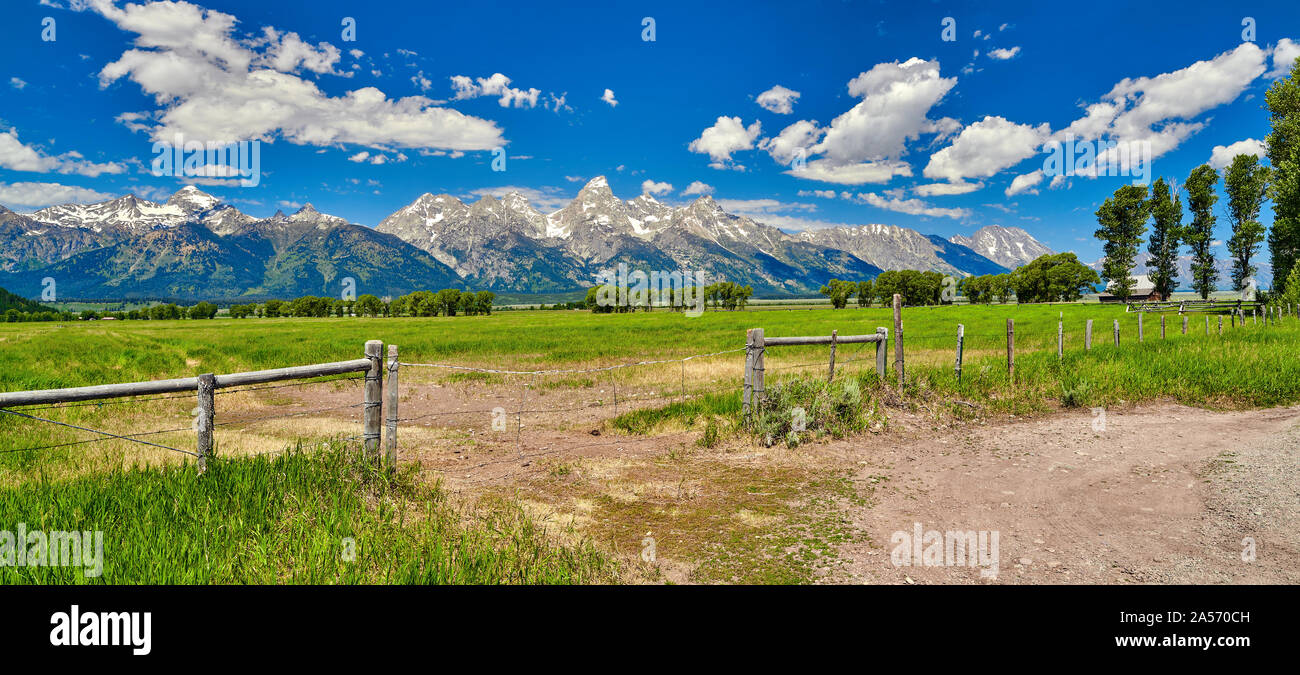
x=446, y=302
x=160, y=312
x=1057, y=277
x=611, y=298
x=1123, y=217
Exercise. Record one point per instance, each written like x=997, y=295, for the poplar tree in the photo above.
x=1199, y=234
x=1123, y=222
x=1167, y=223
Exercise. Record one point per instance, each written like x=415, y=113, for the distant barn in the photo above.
x=1143, y=291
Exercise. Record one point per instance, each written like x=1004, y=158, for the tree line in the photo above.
x=1123, y=217
x=1058, y=277
x=446, y=302
x=726, y=295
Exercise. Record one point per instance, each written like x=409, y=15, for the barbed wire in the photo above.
x=283, y=386
x=249, y=420
x=101, y=403
x=594, y=406
x=567, y=371
x=96, y=431
x=97, y=440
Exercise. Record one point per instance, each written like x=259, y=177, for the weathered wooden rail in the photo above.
x=756, y=344
x=206, y=385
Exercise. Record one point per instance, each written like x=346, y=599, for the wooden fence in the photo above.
x=756, y=344
x=205, y=386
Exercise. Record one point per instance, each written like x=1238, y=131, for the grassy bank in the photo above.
x=320, y=518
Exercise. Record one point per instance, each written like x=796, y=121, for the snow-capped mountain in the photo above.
x=507, y=245
x=193, y=245
x=133, y=214
x=892, y=247
x=1010, y=247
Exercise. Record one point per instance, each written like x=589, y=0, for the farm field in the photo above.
x=588, y=465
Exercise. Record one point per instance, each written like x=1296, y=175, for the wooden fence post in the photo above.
x=1207, y=324
x=1162, y=326
x=1011, y=350
x=898, y=337
x=207, y=415
x=1116, y=332
x=882, y=353
x=759, y=390
x=374, y=405
x=1220, y=325
x=830, y=376
x=746, y=393
x=1087, y=336
x=1140, y=335
x=392, y=406
x=1060, y=339
x=1184, y=324
x=961, y=337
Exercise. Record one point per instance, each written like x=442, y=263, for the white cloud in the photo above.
x=608, y=97
x=1004, y=54
x=287, y=52
x=1026, y=183
x=754, y=207
x=778, y=99
x=419, y=80
x=15, y=155
x=945, y=189
x=896, y=98
x=824, y=194
x=497, y=85
x=1182, y=94
x=698, y=188
x=1284, y=56
x=33, y=195
x=17, y=83
x=212, y=85
x=827, y=171
x=913, y=207
x=985, y=148
x=786, y=145
x=545, y=199
x=650, y=187
x=1221, y=156
x=726, y=136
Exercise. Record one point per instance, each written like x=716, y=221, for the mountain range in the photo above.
x=193, y=246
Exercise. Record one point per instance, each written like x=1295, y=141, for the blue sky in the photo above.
x=895, y=124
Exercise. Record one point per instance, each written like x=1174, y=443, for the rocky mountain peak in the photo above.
x=191, y=200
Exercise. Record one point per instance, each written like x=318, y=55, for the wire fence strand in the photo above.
x=96, y=431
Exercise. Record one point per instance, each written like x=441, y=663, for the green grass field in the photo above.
x=325, y=517
x=168, y=519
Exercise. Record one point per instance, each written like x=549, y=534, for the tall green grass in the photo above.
x=1246, y=367
x=322, y=518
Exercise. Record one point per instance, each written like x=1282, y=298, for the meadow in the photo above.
x=141, y=490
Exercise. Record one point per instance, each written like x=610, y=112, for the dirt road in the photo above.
x=1155, y=494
